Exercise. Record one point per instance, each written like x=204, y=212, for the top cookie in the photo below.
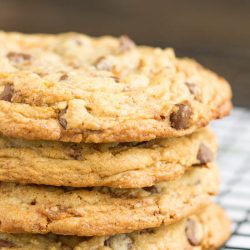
x=71, y=87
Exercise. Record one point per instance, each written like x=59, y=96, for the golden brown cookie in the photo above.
x=102, y=210
x=123, y=165
x=71, y=87
x=206, y=230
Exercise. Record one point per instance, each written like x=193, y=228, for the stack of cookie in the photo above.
x=104, y=142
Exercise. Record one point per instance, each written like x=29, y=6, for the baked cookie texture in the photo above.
x=102, y=210
x=122, y=165
x=71, y=87
x=206, y=230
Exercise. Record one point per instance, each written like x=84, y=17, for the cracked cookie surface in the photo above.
x=71, y=87
x=123, y=165
x=102, y=210
x=207, y=230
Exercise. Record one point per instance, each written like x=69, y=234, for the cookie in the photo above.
x=205, y=231
x=72, y=87
x=123, y=165
x=102, y=210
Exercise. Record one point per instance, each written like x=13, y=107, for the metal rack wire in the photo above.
x=234, y=162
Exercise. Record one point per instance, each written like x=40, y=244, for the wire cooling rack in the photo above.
x=234, y=162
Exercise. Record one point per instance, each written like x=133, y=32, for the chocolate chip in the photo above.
x=5, y=243
x=18, y=57
x=76, y=152
x=103, y=63
x=194, y=232
x=89, y=109
x=33, y=202
x=180, y=119
x=204, y=155
x=194, y=90
x=60, y=212
x=62, y=121
x=7, y=93
x=152, y=189
x=121, y=241
x=64, y=77
x=126, y=43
